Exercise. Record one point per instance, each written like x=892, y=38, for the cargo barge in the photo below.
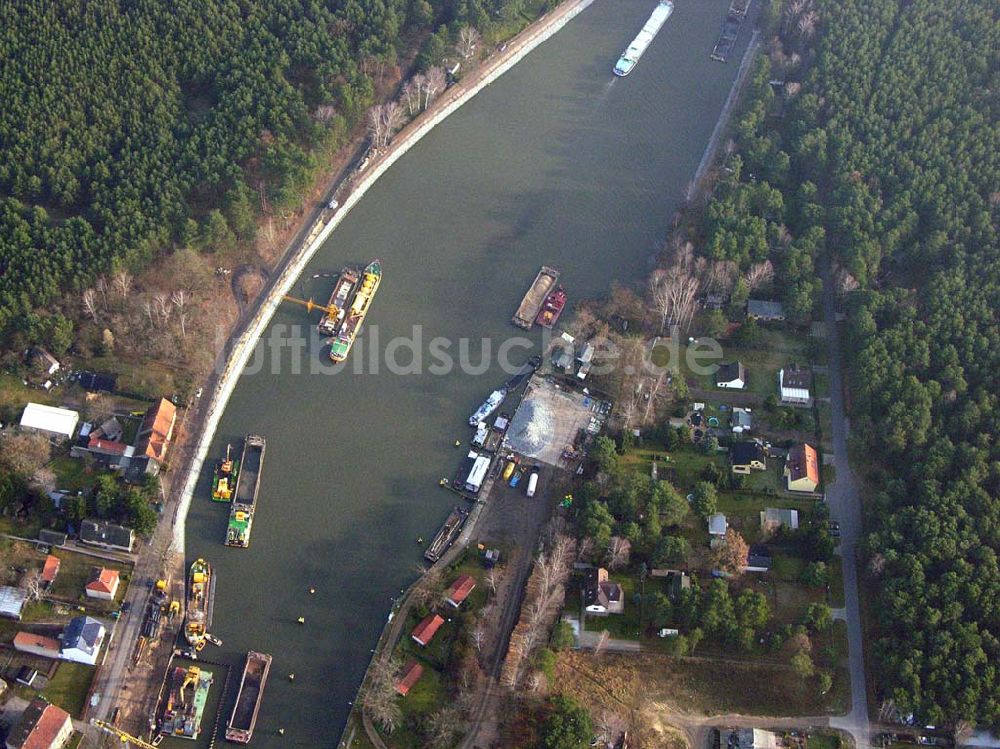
x=630, y=57
x=247, y=487
x=248, y=699
x=227, y=471
x=340, y=346
x=447, y=535
x=185, y=705
x=201, y=592
x=337, y=306
x=552, y=308
x=532, y=302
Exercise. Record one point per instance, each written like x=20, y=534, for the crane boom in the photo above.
x=311, y=305
x=125, y=738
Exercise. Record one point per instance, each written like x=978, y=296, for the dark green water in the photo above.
x=556, y=163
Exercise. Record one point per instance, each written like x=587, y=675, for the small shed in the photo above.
x=424, y=632
x=409, y=676
x=460, y=590
x=28, y=642
x=12, y=602
x=50, y=569
x=717, y=524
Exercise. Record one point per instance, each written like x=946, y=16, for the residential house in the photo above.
x=103, y=584
x=41, y=726
x=741, y=421
x=747, y=457
x=717, y=524
x=765, y=310
x=55, y=422
x=103, y=445
x=43, y=361
x=758, y=559
x=50, y=569
x=802, y=468
x=773, y=518
x=602, y=596
x=81, y=640
x=12, y=602
x=586, y=360
x=156, y=430
x=460, y=590
x=409, y=676
x=28, y=642
x=26, y=676
x=793, y=384
x=732, y=376
x=424, y=632
x=107, y=535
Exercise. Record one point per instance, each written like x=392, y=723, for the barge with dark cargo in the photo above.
x=535, y=297
x=447, y=535
x=247, y=487
x=248, y=699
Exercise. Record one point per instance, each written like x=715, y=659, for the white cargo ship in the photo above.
x=634, y=50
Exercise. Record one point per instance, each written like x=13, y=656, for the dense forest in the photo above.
x=871, y=135
x=131, y=128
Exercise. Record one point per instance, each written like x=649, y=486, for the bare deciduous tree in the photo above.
x=378, y=697
x=23, y=452
x=410, y=95
x=33, y=585
x=44, y=477
x=619, y=551
x=492, y=578
x=376, y=124
x=180, y=299
x=161, y=307
x=602, y=642
x=325, y=113
x=731, y=555
x=123, y=283
x=90, y=303
x=434, y=82
x=468, y=38
x=758, y=275
x=445, y=726
x=102, y=288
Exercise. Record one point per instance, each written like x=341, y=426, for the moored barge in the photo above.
x=248, y=699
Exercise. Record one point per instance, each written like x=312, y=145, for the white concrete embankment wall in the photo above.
x=243, y=348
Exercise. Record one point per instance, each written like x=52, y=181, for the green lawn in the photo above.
x=682, y=467
x=14, y=394
x=68, y=688
x=72, y=474
x=74, y=573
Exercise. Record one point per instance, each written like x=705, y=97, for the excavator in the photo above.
x=310, y=305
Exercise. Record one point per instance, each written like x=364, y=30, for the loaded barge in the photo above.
x=552, y=308
x=340, y=346
x=535, y=297
x=730, y=30
x=247, y=487
x=185, y=703
x=248, y=699
x=337, y=306
x=630, y=57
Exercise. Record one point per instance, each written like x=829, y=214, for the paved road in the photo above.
x=845, y=508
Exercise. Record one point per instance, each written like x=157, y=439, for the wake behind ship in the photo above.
x=630, y=57
x=247, y=487
x=340, y=346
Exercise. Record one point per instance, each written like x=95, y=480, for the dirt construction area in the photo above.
x=549, y=419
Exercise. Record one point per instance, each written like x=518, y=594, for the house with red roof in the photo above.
x=409, y=676
x=41, y=726
x=28, y=642
x=460, y=590
x=50, y=569
x=103, y=584
x=157, y=430
x=424, y=632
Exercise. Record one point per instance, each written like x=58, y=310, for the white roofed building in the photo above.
x=60, y=422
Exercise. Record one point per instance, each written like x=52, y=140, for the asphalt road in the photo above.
x=845, y=507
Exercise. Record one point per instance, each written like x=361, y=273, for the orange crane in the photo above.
x=124, y=738
x=311, y=305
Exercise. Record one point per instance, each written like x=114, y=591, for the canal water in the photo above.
x=557, y=163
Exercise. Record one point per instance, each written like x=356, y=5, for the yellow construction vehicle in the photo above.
x=125, y=738
x=174, y=610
